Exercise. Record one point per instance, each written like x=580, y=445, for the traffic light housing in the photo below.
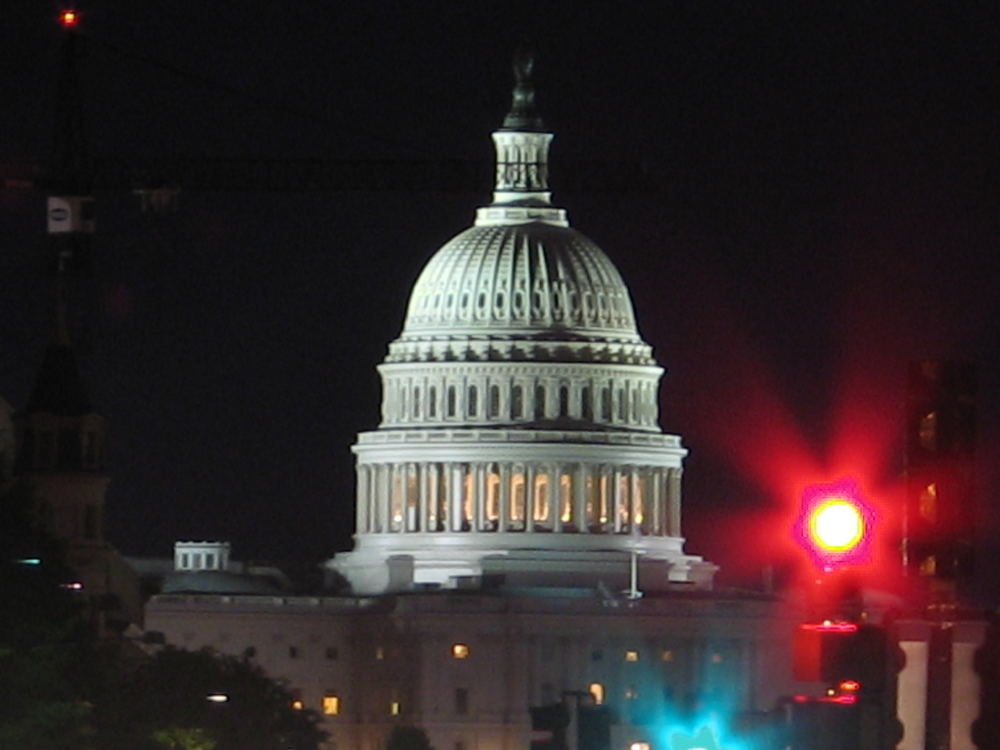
x=835, y=525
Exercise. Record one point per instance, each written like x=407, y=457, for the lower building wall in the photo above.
x=467, y=668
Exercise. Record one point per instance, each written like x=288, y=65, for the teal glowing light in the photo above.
x=703, y=739
x=706, y=729
x=30, y=561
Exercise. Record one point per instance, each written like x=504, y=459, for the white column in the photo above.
x=479, y=497
x=422, y=495
x=362, y=524
x=529, y=497
x=435, y=492
x=967, y=637
x=616, y=500
x=674, y=502
x=580, y=496
x=383, y=497
x=911, y=694
x=457, y=488
x=656, y=500
x=555, y=495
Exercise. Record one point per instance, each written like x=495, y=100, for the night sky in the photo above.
x=818, y=207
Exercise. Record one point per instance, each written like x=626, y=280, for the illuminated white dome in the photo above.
x=529, y=279
x=519, y=438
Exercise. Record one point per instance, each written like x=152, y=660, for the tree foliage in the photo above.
x=164, y=703
x=408, y=738
x=43, y=640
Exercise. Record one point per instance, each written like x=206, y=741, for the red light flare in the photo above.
x=829, y=627
x=69, y=18
x=835, y=525
x=750, y=425
x=844, y=700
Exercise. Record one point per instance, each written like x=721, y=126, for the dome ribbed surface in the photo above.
x=520, y=278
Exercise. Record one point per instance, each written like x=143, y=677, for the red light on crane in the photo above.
x=69, y=18
x=835, y=525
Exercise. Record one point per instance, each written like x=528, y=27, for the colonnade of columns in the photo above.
x=459, y=397
x=455, y=496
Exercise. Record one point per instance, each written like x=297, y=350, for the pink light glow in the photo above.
x=835, y=525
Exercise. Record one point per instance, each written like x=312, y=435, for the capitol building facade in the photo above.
x=518, y=527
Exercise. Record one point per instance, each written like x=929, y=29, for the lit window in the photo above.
x=631, y=693
x=297, y=704
x=631, y=655
x=379, y=653
x=666, y=655
x=928, y=502
x=927, y=431
x=596, y=689
x=717, y=658
x=394, y=708
x=459, y=651
x=331, y=704
x=928, y=566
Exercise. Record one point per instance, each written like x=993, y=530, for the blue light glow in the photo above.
x=708, y=720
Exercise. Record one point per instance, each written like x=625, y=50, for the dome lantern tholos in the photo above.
x=519, y=439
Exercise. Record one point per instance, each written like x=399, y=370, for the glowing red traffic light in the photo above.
x=835, y=525
x=69, y=18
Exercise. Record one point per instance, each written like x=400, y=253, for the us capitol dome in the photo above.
x=519, y=443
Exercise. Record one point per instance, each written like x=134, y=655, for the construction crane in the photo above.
x=74, y=175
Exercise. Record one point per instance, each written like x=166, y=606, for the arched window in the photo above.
x=432, y=401
x=517, y=402
x=452, y=402
x=416, y=401
x=494, y=401
x=587, y=410
x=563, y=401
x=473, y=400
x=412, y=498
x=542, y=499
x=566, y=511
x=443, y=487
x=539, y=401
x=606, y=404
x=492, y=504
x=397, y=497
x=517, y=499
x=624, y=502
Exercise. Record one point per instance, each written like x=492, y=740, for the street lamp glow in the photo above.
x=217, y=697
x=837, y=524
